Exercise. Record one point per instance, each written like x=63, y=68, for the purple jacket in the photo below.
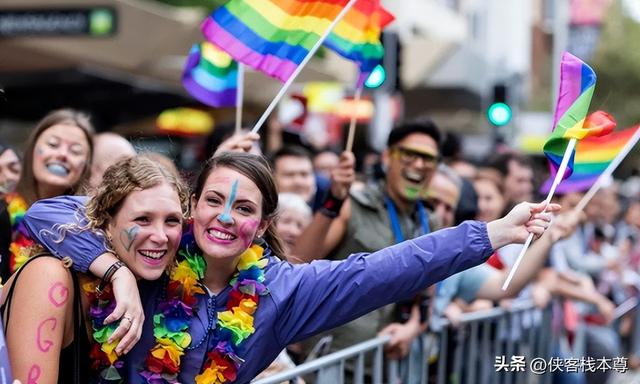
x=304, y=299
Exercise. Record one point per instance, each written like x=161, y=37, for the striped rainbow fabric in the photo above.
x=211, y=75
x=593, y=156
x=577, y=82
x=357, y=37
x=274, y=36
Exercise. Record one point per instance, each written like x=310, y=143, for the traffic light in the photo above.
x=376, y=77
x=387, y=75
x=499, y=112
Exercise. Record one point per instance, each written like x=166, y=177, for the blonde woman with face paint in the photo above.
x=234, y=306
x=48, y=311
x=56, y=162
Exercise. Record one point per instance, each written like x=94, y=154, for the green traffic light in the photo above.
x=376, y=77
x=101, y=22
x=499, y=114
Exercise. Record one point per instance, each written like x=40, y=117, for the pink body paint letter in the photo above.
x=45, y=345
x=34, y=374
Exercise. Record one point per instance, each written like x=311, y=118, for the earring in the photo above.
x=190, y=220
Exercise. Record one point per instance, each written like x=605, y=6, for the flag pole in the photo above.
x=352, y=123
x=239, y=97
x=625, y=307
x=609, y=170
x=563, y=167
x=298, y=69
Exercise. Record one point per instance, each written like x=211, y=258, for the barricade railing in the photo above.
x=481, y=349
x=473, y=352
x=331, y=368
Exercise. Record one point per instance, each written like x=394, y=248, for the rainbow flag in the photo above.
x=211, y=75
x=577, y=82
x=357, y=37
x=274, y=36
x=593, y=156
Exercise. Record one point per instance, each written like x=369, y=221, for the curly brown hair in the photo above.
x=124, y=177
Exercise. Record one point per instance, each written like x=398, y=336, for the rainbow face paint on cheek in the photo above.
x=247, y=231
x=225, y=217
x=127, y=237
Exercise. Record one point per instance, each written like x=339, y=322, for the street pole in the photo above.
x=561, y=16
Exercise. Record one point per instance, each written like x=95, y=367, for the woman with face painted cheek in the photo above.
x=56, y=162
x=234, y=306
x=140, y=208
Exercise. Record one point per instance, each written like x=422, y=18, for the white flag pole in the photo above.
x=239, y=97
x=609, y=170
x=352, y=123
x=304, y=62
x=563, y=167
x=625, y=307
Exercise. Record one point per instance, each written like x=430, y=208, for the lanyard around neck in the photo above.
x=395, y=221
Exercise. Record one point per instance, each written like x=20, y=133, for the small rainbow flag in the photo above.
x=211, y=76
x=593, y=156
x=274, y=36
x=577, y=82
x=357, y=37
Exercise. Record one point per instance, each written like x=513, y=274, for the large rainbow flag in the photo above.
x=274, y=36
x=593, y=156
x=211, y=75
x=577, y=82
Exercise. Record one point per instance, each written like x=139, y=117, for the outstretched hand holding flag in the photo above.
x=577, y=83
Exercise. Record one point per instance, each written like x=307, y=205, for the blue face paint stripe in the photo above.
x=225, y=217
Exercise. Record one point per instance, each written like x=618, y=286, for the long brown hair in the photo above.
x=256, y=169
x=28, y=185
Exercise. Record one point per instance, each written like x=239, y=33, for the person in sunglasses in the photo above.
x=375, y=217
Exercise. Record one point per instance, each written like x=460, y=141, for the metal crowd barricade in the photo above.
x=484, y=340
x=465, y=354
x=331, y=368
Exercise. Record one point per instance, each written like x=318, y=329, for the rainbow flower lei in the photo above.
x=235, y=325
x=105, y=360
x=21, y=243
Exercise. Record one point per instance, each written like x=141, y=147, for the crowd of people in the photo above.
x=125, y=274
